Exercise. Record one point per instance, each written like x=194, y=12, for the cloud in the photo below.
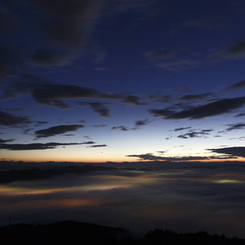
x=236, y=50
x=179, y=129
x=204, y=22
x=10, y=62
x=240, y=115
x=52, y=95
x=24, y=84
x=123, y=128
x=161, y=112
x=8, y=119
x=97, y=107
x=133, y=100
x=70, y=22
x=211, y=109
x=236, y=126
x=95, y=146
x=160, y=98
x=235, y=151
x=148, y=156
x=151, y=157
x=5, y=141
x=238, y=85
x=139, y=123
x=45, y=57
x=34, y=146
x=200, y=134
x=52, y=131
x=191, y=97
x=180, y=65
x=157, y=56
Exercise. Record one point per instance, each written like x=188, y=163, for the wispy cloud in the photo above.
x=234, y=51
x=238, y=85
x=52, y=131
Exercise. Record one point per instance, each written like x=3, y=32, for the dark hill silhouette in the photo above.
x=72, y=232
x=32, y=174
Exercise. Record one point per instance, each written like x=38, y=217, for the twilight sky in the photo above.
x=155, y=84
x=120, y=80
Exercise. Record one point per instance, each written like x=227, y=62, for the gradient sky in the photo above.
x=97, y=81
x=143, y=83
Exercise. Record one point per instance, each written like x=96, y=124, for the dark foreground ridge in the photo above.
x=72, y=232
x=33, y=174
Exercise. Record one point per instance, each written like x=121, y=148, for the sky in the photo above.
x=155, y=84
x=97, y=81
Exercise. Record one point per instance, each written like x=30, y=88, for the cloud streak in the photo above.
x=218, y=107
x=34, y=146
x=52, y=131
x=235, y=151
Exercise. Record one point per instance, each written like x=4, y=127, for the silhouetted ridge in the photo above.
x=160, y=237
x=32, y=174
x=66, y=232
x=72, y=232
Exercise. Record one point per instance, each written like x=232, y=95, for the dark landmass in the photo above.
x=72, y=232
x=145, y=169
x=130, y=169
x=33, y=174
x=136, y=169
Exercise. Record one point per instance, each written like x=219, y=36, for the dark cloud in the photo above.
x=95, y=146
x=24, y=84
x=179, y=129
x=97, y=107
x=34, y=146
x=123, y=128
x=157, y=56
x=191, y=97
x=161, y=112
x=8, y=119
x=235, y=151
x=52, y=95
x=151, y=157
x=235, y=126
x=236, y=50
x=44, y=57
x=238, y=85
x=10, y=62
x=70, y=22
x=139, y=123
x=133, y=100
x=148, y=156
x=160, y=98
x=200, y=134
x=211, y=109
x=52, y=131
x=240, y=115
x=5, y=141
x=88, y=142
